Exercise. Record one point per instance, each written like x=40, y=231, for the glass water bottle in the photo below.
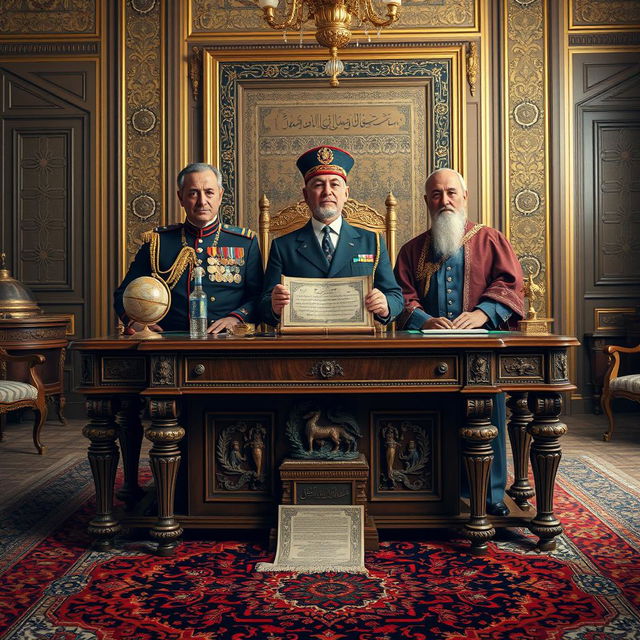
x=197, y=307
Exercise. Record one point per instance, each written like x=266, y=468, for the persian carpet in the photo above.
x=53, y=586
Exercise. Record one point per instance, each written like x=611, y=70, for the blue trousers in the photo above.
x=498, y=477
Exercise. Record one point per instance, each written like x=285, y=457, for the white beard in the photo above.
x=323, y=213
x=447, y=230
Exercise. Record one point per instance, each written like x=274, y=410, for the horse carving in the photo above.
x=334, y=432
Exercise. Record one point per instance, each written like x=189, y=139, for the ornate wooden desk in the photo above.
x=204, y=397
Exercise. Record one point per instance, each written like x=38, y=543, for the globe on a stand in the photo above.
x=146, y=300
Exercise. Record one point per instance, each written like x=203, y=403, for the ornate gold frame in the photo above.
x=213, y=84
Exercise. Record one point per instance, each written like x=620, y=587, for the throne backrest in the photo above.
x=356, y=213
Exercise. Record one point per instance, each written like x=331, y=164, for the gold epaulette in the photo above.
x=146, y=236
x=239, y=231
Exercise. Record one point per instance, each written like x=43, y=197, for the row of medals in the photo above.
x=224, y=269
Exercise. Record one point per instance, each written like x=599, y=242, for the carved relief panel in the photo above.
x=405, y=457
x=239, y=453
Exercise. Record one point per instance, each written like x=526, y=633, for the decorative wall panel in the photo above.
x=604, y=14
x=239, y=17
x=526, y=140
x=606, y=95
x=618, y=203
x=49, y=18
x=406, y=115
x=144, y=163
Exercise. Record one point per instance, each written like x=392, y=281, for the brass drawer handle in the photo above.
x=198, y=370
x=442, y=368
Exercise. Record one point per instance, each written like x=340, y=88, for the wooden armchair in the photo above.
x=15, y=394
x=617, y=386
x=356, y=213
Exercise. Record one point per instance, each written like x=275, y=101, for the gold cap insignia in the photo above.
x=325, y=155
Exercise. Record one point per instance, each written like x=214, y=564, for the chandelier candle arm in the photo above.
x=293, y=20
x=377, y=21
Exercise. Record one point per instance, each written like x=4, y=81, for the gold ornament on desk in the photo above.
x=333, y=22
x=531, y=323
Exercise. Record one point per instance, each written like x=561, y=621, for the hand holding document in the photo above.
x=327, y=305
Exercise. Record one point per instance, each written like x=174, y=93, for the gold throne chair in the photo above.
x=356, y=213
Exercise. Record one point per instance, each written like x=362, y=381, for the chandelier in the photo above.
x=333, y=20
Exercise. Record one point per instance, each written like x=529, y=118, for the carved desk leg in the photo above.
x=130, y=437
x=103, y=458
x=477, y=454
x=165, y=433
x=520, y=441
x=546, y=430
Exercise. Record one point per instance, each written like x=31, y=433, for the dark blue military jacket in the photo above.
x=298, y=254
x=233, y=279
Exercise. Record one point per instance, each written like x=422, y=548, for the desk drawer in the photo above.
x=313, y=370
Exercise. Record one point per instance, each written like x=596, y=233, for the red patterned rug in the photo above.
x=53, y=587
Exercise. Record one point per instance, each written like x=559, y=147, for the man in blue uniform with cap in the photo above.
x=230, y=256
x=328, y=246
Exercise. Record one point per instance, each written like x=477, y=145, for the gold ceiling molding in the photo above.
x=241, y=18
x=29, y=18
x=526, y=138
x=604, y=14
x=143, y=116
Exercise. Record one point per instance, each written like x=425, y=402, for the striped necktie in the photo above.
x=327, y=245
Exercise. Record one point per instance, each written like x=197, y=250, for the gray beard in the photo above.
x=324, y=213
x=447, y=230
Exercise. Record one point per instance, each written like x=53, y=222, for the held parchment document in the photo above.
x=327, y=305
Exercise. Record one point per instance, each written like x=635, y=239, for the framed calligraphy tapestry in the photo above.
x=399, y=111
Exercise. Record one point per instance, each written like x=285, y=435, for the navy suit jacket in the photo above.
x=298, y=254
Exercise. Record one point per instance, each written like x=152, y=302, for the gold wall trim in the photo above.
x=418, y=18
x=143, y=200
x=59, y=20
x=526, y=140
x=603, y=15
x=611, y=318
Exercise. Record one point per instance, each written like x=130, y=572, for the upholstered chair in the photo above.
x=617, y=386
x=28, y=392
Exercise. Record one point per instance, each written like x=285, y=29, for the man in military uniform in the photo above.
x=230, y=256
x=328, y=246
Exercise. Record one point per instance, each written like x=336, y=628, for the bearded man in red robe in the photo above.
x=461, y=275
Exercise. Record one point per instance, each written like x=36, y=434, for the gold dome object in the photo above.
x=16, y=301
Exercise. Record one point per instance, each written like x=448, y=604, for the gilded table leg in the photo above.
x=103, y=458
x=521, y=490
x=130, y=437
x=165, y=433
x=477, y=454
x=546, y=430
